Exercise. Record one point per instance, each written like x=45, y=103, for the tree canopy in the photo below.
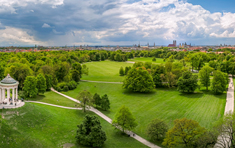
x=90, y=133
x=188, y=82
x=138, y=80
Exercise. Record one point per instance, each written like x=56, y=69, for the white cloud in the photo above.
x=11, y=5
x=14, y=36
x=46, y=26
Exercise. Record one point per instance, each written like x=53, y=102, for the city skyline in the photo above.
x=121, y=22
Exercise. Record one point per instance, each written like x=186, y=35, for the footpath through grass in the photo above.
x=44, y=126
x=105, y=71
x=167, y=104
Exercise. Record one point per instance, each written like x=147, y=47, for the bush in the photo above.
x=72, y=85
x=154, y=59
x=66, y=88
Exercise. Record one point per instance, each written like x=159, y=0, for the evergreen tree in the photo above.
x=90, y=132
x=121, y=71
x=105, y=104
x=97, y=99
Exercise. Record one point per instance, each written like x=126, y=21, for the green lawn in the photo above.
x=166, y=104
x=53, y=98
x=149, y=59
x=105, y=71
x=44, y=126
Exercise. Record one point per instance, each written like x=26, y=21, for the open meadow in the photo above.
x=43, y=126
x=167, y=104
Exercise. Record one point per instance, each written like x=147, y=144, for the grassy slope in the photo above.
x=51, y=127
x=105, y=71
x=54, y=98
x=167, y=104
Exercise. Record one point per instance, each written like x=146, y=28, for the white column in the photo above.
x=13, y=95
x=16, y=92
x=8, y=93
x=0, y=94
x=4, y=95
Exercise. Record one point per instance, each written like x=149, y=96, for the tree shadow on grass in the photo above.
x=37, y=98
x=192, y=95
x=131, y=93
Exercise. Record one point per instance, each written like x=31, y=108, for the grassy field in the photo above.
x=149, y=59
x=105, y=71
x=43, y=126
x=53, y=98
x=166, y=104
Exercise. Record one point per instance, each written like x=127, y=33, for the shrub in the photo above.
x=66, y=88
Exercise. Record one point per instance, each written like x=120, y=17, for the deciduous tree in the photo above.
x=157, y=129
x=138, y=80
x=124, y=119
x=185, y=132
x=86, y=99
x=105, y=104
x=204, y=76
x=188, y=82
x=219, y=82
x=30, y=86
x=41, y=83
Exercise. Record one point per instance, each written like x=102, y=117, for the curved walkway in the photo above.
x=140, y=139
x=54, y=105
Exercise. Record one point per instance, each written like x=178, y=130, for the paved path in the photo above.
x=140, y=139
x=229, y=107
x=224, y=139
x=55, y=105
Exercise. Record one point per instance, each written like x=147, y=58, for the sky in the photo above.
x=116, y=22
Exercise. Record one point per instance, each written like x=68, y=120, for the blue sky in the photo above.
x=215, y=5
x=116, y=22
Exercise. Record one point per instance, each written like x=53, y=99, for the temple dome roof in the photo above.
x=8, y=80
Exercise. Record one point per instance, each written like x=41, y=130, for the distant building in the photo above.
x=172, y=45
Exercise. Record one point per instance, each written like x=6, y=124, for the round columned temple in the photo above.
x=9, y=93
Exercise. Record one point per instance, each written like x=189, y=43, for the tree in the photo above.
x=121, y=71
x=97, y=99
x=41, y=84
x=86, y=99
x=226, y=130
x=76, y=75
x=185, y=132
x=157, y=129
x=219, y=82
x=2, y=69
x=169, y=78
x=30, y=86
x=48, y=81
x=127, y=69
x=204, y=76
x=125, y=119
x=188, y=82
x=138, y=80
x=105, y=104
x=232, y=68
x=90, y=132
x=154, y=59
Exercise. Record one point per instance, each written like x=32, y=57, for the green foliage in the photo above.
x=121, y=72
x=105, y=104
x=127, y=68
x=185, y=132
x=154, y=59
x=66, y=88
x=86, y=99
x=219, y=82
x=188, y=82
x=48, y=81
x=30, y=86
x=97, y=99
x=138, y=80
x=157, y=129
x=41, y=84
x=76, y=75
x=90, y=132
x=124, y=119
x=204, y=76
